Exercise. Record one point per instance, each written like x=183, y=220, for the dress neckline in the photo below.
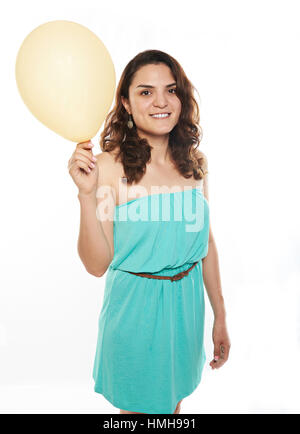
x=161, y=194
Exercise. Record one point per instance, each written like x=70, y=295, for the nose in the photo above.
x=160, y=100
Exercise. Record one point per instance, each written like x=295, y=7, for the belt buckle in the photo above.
x=177, y=277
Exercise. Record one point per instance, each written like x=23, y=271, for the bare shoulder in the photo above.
x=109, y=168
x=202, y=158
x=106, y=159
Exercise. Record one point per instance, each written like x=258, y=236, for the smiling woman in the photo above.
x=160, y=103
x=150, y=349
x=154, y=83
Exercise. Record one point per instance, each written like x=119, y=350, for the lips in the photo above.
x=161, y=117
x=165, y=113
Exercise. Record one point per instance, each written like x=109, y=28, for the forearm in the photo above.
x=93, y=248
x=212, y=281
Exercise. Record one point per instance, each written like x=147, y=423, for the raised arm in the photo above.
x=95, y=241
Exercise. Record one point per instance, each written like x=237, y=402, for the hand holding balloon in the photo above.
x=83, y=168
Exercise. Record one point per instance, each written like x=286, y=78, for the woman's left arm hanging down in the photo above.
x=212, y=282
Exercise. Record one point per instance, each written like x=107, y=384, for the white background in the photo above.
x=243, y=58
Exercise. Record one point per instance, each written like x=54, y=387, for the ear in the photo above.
x=125, y=104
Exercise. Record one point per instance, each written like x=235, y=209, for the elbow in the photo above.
x=94, y=271
x=97, y=273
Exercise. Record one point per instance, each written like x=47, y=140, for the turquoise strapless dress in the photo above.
x=150, y=352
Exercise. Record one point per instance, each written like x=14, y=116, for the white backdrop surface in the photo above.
x=243, y=59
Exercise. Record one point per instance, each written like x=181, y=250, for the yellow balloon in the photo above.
x=66, y=78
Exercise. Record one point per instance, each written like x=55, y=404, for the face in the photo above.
x=152, y=91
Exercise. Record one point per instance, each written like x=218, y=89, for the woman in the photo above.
x=150, y=352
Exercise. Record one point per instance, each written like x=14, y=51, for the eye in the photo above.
x=143, y=93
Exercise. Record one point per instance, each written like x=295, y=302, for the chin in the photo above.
x=154, y=132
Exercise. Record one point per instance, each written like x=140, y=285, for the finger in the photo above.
x=218, y=355
x=81, y=165
x=84, y=159
x=85, y=145
x=217, y=361
x=217, y=352
x=88, y=154
x=216, y=364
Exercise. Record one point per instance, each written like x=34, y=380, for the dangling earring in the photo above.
x=130, y=123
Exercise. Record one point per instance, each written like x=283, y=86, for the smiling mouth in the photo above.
x=159, y=116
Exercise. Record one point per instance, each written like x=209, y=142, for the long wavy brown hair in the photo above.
x=134, y=152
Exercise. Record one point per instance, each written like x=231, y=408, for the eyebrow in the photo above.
x=151, y=87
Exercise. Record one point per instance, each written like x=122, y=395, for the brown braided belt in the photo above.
x=172, y=278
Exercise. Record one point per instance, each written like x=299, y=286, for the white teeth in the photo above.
x=160, y=116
